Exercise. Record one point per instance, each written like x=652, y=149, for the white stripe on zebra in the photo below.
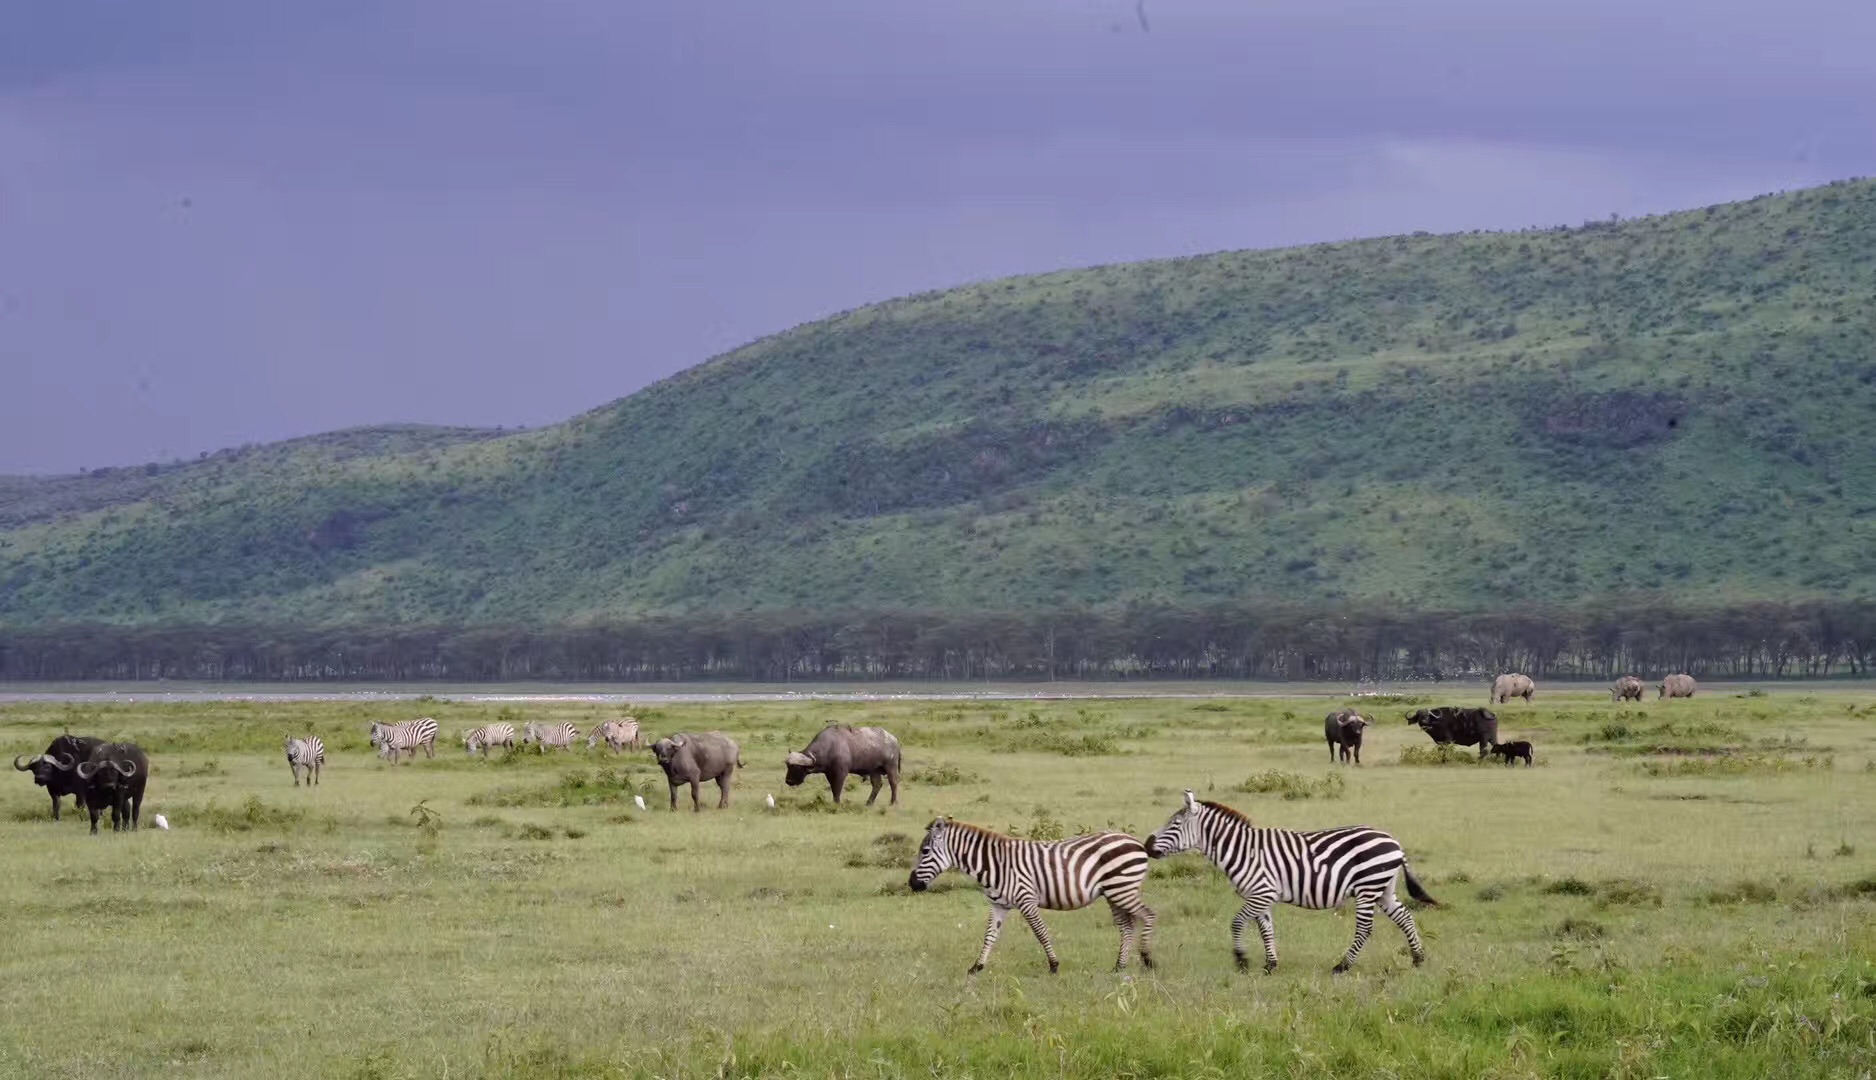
x=1320, y=869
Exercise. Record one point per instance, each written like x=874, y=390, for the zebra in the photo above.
x=309, y=754
x=391, y=739
x=1317, y=870
x=1030, y=875
x=482, y=738
x=618, y=734
x=561, y=735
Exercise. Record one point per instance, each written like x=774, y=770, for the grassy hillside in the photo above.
x=1679, y=404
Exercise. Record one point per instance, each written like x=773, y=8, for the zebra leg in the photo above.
x=998, y=913
x=1144, y=918
x=1258, y=911
x=1124, y=920
x=1404, y=919
x=1032, y=914
x=1364, y=925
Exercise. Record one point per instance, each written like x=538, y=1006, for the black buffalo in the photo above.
x=1512, y=751
x=1342, y=730
x=114, y=777
x=1451, y=725
x=56, y=770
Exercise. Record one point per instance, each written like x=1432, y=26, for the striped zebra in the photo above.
x=502, y=735
x=1308, y=869
x=1030, y=875
x=560, y=735
x=392, y=739
x=309, y=754
x=618, y=734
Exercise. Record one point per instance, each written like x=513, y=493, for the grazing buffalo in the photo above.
x=114, y=777
x=690, y=758
x=1627, y=688
x=1450, y=725
x=1675, y=686
x=1342, y=728
x=1506, y=687
x=1512, y=751
x=56, y=769
x=841, y=751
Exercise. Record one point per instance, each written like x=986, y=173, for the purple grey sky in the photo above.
x=228, y=221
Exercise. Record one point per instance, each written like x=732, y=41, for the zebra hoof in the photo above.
x=975, y=968
x=1146, y=961
x=1270, y=968
x=1419, y=958
x=1243, y=964
x=1339, y=968
x=1054, y=966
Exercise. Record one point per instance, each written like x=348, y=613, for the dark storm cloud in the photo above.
x=229, y=221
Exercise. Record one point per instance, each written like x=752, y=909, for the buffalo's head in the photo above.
x=666, y=749
x=800, y=764
x=45, y=767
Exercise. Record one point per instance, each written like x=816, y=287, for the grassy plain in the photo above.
x=1679, y=889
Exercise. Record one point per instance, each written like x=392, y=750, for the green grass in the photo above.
x=522, y=918
x=1666, y=407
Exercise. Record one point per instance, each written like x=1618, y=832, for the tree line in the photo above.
x=1766, y=640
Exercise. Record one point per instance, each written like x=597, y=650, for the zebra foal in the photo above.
x=393, y=739
x=1307, y=869
x=309, y=754
x=1030, y=875
x=502, y=735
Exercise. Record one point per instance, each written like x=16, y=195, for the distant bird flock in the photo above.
x=1315, y=870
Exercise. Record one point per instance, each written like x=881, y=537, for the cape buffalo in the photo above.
x=690, y=758
x=1506, y=687
x=115, y=777
x=1675, y=686
x=1451, y=725
x=841, y=751
x=1626, y=688
x=56, y=769
x=1342, y=728
x=1512, y=751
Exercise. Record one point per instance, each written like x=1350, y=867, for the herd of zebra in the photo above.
x=307, y=753
x=1317, y=870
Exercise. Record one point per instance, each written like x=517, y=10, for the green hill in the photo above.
x=1679, y=406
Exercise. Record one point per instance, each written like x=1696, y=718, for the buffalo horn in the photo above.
x=17, y=758
x=800, y=759
x=128, y=768
x=83, y=766
x=63, y=761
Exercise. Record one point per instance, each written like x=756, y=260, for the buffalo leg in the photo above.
x=723, y=785
x=95, y=812
x=55, y=807
x=837, y=779
x=136, y=809
x=675, y=785
x=1331, y=752
x=877, y=780
x=892, y=777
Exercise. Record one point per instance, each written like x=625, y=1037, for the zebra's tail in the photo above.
x=1414, y=890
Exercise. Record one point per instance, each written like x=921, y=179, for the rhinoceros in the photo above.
x=841, y=751
x=1675, y=686
x=691, y=758
x=1626, y=688
x=1506, y=687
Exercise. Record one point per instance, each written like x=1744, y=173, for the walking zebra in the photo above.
x=1029, y=875
x=502, y=735
x=618, y=734
x=1308, y=869
x=561, y=735
x=391, y=739
x=309, y=754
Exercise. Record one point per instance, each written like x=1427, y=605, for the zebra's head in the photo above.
x=934, y=856
x=471, y=741
x=1180, y=833
x=378, y=733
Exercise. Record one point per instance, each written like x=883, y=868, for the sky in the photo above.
x=234, y=221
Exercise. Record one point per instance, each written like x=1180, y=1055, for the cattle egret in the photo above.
x=162, y=822
x=770, y=799
x=638, y=801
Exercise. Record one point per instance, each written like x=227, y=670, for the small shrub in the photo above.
x=1293, y=785
x=1437, y=755
x=1580, y=930
x=251, y=814
x=572, y=833
x=1742, y=892
x=1752, y=764
x=1044, y=826
x=942, y=775
x=1491, y=892
x=532, y=831
x=1845, y=849
x=1628, y=893
x=1570, y=886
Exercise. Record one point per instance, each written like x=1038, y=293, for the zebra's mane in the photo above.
x=979, y=830
x=1230, y=812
